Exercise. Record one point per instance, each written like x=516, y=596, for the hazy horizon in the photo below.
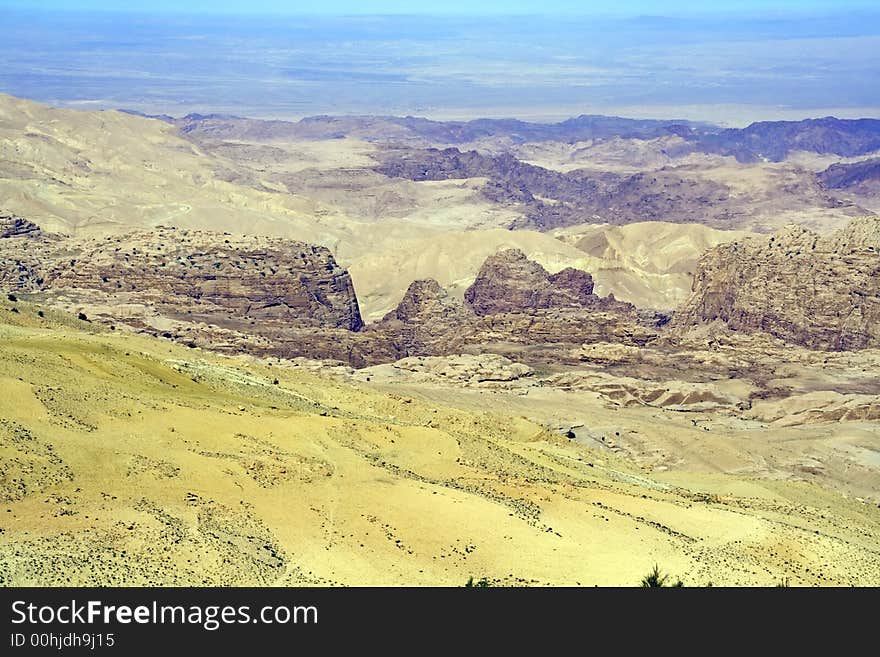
x=717, y=66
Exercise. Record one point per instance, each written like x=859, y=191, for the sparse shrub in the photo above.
x=784, y=583
x=82, y=316
x=40, y=313
x=481, y=584
x=656, y=579
x=12, y=297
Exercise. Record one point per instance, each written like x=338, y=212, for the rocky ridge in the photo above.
x=272, y=296
x=269, y=280
x=857, y=177
x=220, y=291
x=12, y=226
x=513, y=301
x=822, y=292
x=549, y=199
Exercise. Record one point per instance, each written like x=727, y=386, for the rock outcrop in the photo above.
x=547, y=199
x=822, y=292
x=245, y=279
x=21, y=246
x=268, y=296
x=856, y=177
x=12, y=226
x=509, y=282
x=228, y=293
x=485, y=370
x=426, y=322
x=512, y=302
x=775, y=140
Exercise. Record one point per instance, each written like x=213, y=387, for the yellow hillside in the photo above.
x=650, y=263
x=128, y=460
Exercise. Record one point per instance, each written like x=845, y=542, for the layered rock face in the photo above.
x=263, y=279
x=509, y=282
x=12, y=226
x=822, y=292
x=280, y=297
x=21, y=244
x=513, y=301
x=427, y=322
x=228, y=293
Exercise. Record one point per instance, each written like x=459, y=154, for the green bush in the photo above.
x=482, y=584
x=656, y=579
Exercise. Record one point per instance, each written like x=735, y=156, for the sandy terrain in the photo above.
x=133, y=460
x=649, y=264
x=165, y=465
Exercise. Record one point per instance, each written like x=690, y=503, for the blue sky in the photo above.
x=349, y=7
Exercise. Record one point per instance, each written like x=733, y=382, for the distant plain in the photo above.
x=721, y=69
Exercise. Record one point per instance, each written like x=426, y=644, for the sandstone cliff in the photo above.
x=244, y=278
x=513, y=303
x=509, y=282
x=822, y=292
x=279, y=297
x=215, y=290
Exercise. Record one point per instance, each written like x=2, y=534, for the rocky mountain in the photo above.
x=770, y=140
x=513, y=302
x=249, y=278
x=286, y=298
x=548, y=199
x=224, y=292
x=509, y=282
x=763, y=140
x=822, y=292
x=775, y=140
x=411, y=129
x=857, y=177
x=272, y=296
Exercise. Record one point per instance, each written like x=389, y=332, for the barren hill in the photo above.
x=859, y=177
x=168, y=466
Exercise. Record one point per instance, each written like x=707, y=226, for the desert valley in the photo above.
x=380, y=350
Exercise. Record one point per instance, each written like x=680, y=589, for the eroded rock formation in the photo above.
x=514, y=301
x=822, y=292
x=244, y=278
x=12, y=226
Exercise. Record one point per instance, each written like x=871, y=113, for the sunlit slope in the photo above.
x=126, y=460
x=88, y=171
x=651, y=263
